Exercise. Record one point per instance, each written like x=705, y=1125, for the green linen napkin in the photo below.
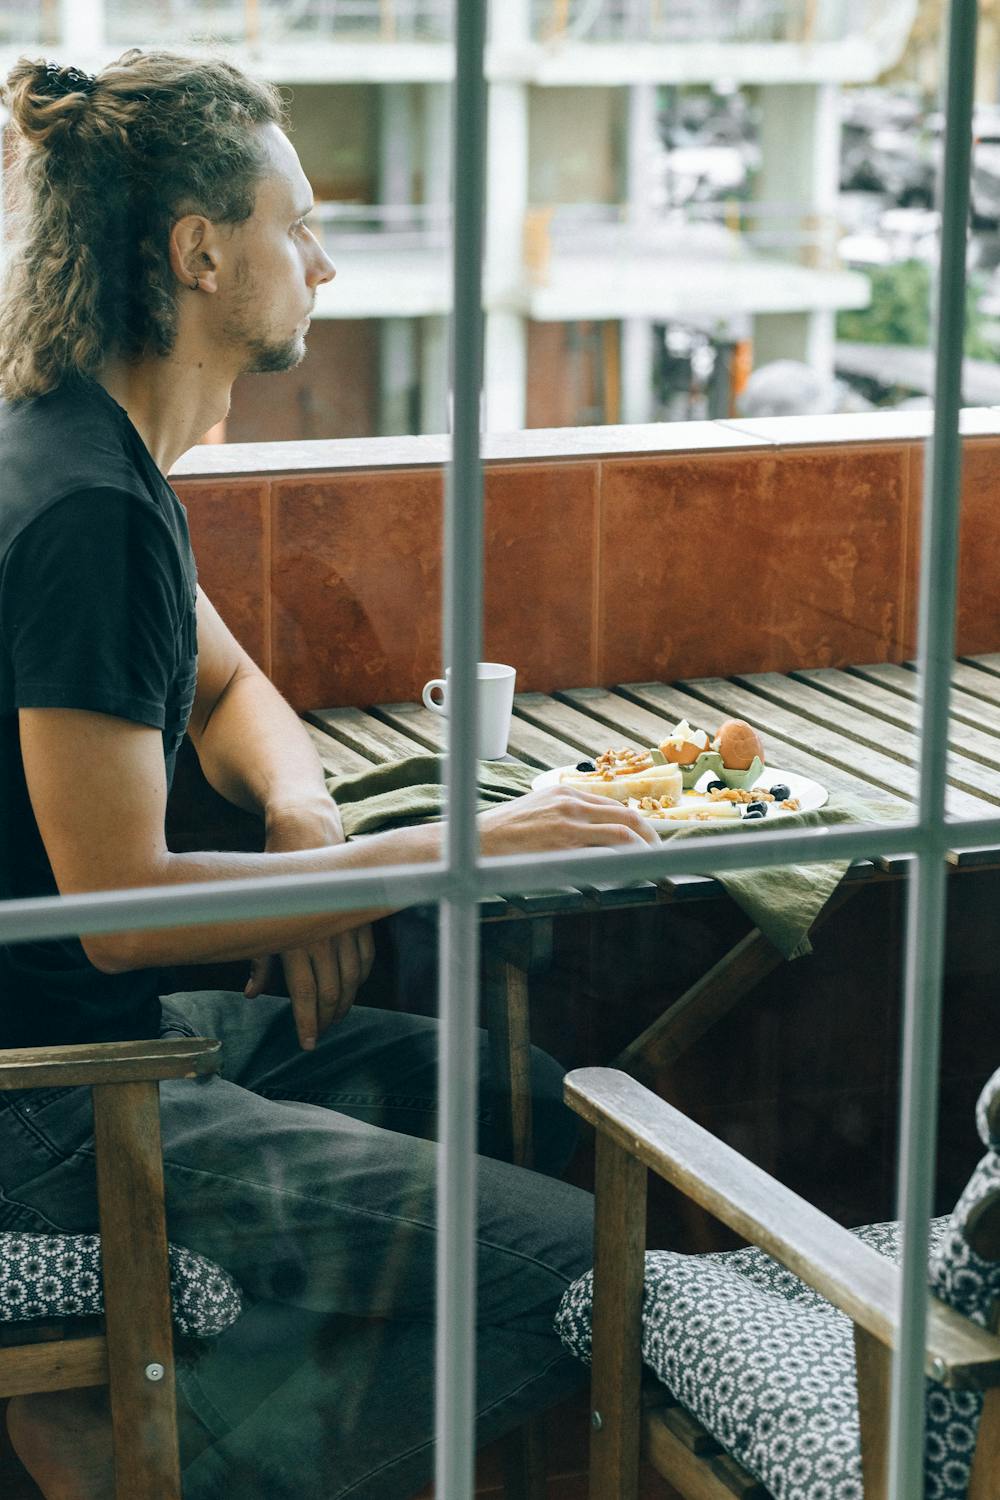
x=783, y=901
x=411, y=791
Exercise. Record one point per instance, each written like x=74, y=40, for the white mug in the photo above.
x=496, y=703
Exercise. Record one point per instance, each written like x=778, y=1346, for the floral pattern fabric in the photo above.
x=767, y=1365
x=59, y=1275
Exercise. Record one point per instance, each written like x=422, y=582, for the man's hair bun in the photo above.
x=46, y=100
x=100, y=170
x=60, y=81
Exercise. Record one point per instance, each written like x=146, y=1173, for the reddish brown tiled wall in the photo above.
x=761, y=558
x=977, y=627
x=228, y=520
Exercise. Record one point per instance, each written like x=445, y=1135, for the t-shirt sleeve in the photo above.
x=91, y=608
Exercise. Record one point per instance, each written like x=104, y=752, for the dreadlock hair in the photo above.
x=103, y=167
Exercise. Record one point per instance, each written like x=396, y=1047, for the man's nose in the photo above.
x=325, y=270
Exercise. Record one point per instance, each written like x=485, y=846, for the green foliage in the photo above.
x=900, y=311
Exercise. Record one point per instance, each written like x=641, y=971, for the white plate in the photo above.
x=808, y=793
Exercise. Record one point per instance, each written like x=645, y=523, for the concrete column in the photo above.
x=434, y=367
x=637, y=333
x=395, y=143
x=398, y=375
x=81, y=28
x=505, y=371
x=506, y=361
x=510, y=23
x=800, y=165
x=435, y=174
x=435, y=143
x=806, y=336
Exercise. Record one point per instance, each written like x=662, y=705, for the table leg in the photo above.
x=524, y=1467
x=509, y=1028
x=508, y=1022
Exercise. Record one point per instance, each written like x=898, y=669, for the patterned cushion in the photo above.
x=988, y=1112
x=59, y=1275
x=767, y=1365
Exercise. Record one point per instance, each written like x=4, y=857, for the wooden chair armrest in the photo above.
x=838, y=1265
x=108, y=1062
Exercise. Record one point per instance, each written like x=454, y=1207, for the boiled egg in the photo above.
x=738, y=742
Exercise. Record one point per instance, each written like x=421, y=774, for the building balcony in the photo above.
x=599, y=42
x=802, y=22
x=267, y=22
x=587, y=261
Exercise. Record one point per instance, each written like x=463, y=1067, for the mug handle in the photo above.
x=427, y=695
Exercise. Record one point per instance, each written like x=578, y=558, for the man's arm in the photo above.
x=254, y=750
x=98, y=790
x=252, y=746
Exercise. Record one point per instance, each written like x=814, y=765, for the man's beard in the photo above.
x=266, y=358
x=262, y=356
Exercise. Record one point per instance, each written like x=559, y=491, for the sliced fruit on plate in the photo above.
x=655, y=781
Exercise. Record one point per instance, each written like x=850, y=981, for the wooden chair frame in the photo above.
x=134, y=1354
x=637, y=1131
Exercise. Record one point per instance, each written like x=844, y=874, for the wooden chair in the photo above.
x=701, y=1321
x=133, y=1353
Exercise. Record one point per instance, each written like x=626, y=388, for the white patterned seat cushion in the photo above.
x=59, y=1275
x=767, y=1365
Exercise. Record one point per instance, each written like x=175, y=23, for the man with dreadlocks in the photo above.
x=162, y=252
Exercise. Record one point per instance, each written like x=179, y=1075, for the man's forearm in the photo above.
x=255, y=751
x=220, y=942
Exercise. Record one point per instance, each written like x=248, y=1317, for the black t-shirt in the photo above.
x=97, y=612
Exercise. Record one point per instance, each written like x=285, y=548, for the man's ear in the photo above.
x=194, y=253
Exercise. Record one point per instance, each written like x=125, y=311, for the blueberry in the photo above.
x=716, y=786
x=586, y=765
x=781, y=793
x=755, y=810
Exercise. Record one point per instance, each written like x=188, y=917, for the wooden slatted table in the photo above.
x=855, y=731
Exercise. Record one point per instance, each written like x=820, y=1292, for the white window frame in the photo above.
x=461, y=878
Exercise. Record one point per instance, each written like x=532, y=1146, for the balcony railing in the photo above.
x=702, y=20
x=253, y=21
x=726, y=230
x=343, y=227
x=131, y=22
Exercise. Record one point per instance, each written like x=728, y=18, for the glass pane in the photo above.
x=710, y=594
x=305, y=1172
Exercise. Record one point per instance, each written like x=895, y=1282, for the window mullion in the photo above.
x=926, y=912
x=455, y=1364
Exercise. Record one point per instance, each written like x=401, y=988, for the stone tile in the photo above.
x=356, y=586
x=977, y=624
x=978, y=621
x=860, y=427
x=757, y=563
x=538, y=592
x=229, y=533
x=532, y=445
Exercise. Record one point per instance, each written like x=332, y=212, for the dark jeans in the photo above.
x=310, y=1176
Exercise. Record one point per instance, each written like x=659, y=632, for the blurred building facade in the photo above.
x=586, y=250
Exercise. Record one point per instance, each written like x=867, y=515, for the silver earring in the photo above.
x=195, y=285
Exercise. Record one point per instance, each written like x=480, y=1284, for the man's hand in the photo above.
x=562, y=818
x=324, y=979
